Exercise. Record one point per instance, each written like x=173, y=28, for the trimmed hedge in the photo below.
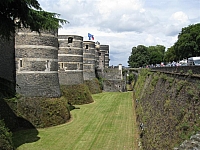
x=44, y=112
x=94, y=86
x=77, y=94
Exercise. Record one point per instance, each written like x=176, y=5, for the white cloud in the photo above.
x=179, y=17
x=123, y=24
x=177, y=20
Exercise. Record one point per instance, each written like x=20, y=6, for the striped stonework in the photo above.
x=36, y=57
x=88, y=60
x=104, y=50
x=70, y=59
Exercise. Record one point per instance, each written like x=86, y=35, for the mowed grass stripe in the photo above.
x=105, y=133
x=106, y=124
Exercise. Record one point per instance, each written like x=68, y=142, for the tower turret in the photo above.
x=102, y=51
x=88, y=60
x=106, y=47
x=36, y=58
x=70, y=59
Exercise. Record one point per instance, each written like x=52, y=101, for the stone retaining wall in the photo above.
x=179, y=69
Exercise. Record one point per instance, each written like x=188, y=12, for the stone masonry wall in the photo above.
x=36, y=59
x=70, y=59
x=112, y=73
x=180, y=69
x=114, y=86
x=88, y=60
x=106, y=48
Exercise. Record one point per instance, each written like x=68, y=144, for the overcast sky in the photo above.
x=123, y=24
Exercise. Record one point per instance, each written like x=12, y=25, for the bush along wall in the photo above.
x=77, y=94
x=43, y=112
x=5, y=137
x=167, y=108
x=8, y=119
x=94, y=86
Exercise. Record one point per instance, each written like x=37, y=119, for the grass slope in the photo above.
x=108, y=123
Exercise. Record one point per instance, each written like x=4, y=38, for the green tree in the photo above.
x=156, y=54
x=188, y=43
x=170, y=55
x=139, y=57
x=131, y=77
x=26, y=13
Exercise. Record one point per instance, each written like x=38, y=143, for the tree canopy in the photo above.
x=170, y=55
x=139, y=57
x=188, y=43
x=142, y=55
x=156, y=54
x=26, y=13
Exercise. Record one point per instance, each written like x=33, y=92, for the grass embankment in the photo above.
x=108, y=123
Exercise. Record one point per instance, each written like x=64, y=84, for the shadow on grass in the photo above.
x=22, y=130
x=72, y=107
x=25, y=136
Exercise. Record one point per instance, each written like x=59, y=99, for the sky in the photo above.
x=124, y=24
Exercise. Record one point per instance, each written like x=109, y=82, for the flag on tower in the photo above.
x=90, y=36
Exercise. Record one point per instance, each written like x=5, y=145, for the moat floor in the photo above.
x=107, y=124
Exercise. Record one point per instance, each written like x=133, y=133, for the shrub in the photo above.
x=5, y=137
x=155, y=80
x=43, y=112
x=77, y=94
x=189, y=72
x=180, y=85
x=94, y=86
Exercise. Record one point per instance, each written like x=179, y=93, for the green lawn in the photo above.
x=106, y=124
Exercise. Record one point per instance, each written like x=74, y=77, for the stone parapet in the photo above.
x=179, y=69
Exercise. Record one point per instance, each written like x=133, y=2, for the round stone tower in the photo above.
x=102, y=51
x=88, y=60
x=70, y=59
x=36, y=57
x=106, y=56
x=97, y=47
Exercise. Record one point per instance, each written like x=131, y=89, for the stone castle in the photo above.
x=45, y=61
